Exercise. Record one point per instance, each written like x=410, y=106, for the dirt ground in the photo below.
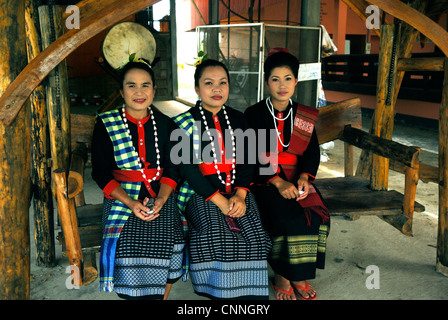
x=367, y=259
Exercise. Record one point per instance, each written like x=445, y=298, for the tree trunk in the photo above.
x=15, y=162
x=40, y=153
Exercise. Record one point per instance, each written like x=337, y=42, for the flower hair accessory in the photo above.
x=202, y=56
x=132, y=59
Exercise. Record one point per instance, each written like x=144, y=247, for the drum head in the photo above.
x=127, y=38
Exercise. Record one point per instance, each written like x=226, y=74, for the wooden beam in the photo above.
x=20, y=89
x=15, y=162
x=431, y=29
x=389, y=149
x=442, y=233
x=58, y=103
x=421, y=64
x=40, y=153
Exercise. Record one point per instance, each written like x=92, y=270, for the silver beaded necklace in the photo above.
x=215, y=160
x=125, y=120
x=271, y=110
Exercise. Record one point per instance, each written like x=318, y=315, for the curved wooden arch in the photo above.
x=419, y=21
x=108, y=12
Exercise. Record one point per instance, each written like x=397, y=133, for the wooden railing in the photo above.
x=358, y=73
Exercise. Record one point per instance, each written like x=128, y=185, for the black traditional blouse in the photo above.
x=142, y=132
x=208, y=185
x=258, y=117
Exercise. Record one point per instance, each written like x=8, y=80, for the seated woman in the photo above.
x=227, y=245
x=291, y=207
x=141, y=252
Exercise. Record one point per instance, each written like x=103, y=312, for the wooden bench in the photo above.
x=350, y=196
x=353, y=196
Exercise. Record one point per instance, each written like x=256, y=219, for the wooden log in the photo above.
x=106, y=13
x=420, y=64
x=58, y=103
x=442, y=230
x=69, y=225
x=40, y=153
x=383, y=117
x=15, y=167
x=389, y=149
x=431, y=29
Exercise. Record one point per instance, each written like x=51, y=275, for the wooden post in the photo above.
x=58, y=105
x=442, y=234
x=405, y=44
x=383, y=117
x=15, y=162
x=69, y=222
x=40, y=153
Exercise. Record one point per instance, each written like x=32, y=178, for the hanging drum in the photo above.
x=127, y=38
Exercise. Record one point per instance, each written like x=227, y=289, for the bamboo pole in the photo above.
x=58, y=104
x=442, y=234
x=40, y=153
x=15, y=162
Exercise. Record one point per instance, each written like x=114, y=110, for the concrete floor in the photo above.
x=360, y=254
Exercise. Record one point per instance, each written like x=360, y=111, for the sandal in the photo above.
x=289, y=293
x=306, y=288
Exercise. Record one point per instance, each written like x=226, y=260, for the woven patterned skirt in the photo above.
x=225, y=264
x=297, y=249
x=149, y=253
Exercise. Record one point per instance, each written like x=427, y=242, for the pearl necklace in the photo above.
x=140, y=164
x=215, y=160
x=271, y=110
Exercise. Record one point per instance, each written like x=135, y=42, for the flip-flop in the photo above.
x=276, y=289
x=306, y=288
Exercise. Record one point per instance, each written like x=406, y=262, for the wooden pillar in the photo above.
x=383, y=117
x=40, y=153
x=405, y=44
x=15, y=162
x=442, y=235
x=69, y=222
x=58, y=103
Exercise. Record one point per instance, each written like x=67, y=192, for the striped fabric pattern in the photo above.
x=126, y=159
x=225, y=264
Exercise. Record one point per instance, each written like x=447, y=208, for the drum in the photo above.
x=126, y=38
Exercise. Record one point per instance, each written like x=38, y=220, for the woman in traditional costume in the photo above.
x=141, y=252
x=227, y=244
x=291, y=207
